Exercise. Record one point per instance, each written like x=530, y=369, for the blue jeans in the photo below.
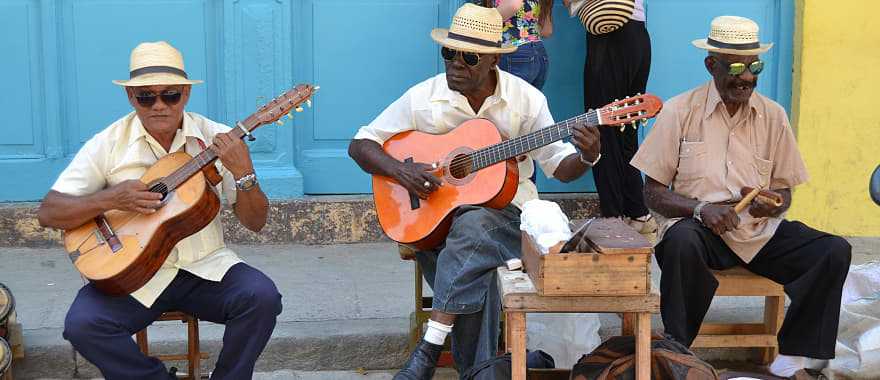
x=462, y=274
x=529, y=62
x=100, y=327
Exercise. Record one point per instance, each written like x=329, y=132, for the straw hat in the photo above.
x=156, y=63
x=733, y=35
x=474, y=29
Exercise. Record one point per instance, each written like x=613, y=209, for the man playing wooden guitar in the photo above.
x=461, y=269
x=201, y=276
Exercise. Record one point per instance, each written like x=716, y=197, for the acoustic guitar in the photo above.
x=476, y=168
x=120, y=251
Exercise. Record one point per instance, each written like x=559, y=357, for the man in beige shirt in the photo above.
x=200, y=276
x=706, y=145
x=461, y=271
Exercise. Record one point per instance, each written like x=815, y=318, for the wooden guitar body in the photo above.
x=424, y=223
x=144, y=241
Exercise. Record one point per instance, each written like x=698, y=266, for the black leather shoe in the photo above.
x=421, y=363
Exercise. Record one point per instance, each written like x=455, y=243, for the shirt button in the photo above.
x=730, y=162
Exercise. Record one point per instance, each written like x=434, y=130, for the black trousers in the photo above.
x=812, y=265
x=617, y=66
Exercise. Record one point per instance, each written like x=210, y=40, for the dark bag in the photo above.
x=614, y=359
x=498, y=368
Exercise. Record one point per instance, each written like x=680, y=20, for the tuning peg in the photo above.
x=290, y=115
x=309, y=103
x=622, y=127
x=299, y=109
x=316, y=88
x=279, y=122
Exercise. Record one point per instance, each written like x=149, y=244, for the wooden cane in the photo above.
x=746, y=200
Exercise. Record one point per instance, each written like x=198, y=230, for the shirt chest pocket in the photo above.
x=763, y=169
x=691, y=161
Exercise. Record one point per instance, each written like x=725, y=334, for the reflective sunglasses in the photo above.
x=147, y=99
x=738, y=68
x=472, y=59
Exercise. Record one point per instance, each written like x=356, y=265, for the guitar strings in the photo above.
x=483, y=155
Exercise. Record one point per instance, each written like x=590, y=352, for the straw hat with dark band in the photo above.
x=474, y=29
x=733, y=35
x=156, y=63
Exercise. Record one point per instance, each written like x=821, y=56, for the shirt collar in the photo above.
x=443, y=93
x=713, y=100
x=189, y=130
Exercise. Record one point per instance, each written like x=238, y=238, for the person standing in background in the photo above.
x=616, y=66
x=526, y=22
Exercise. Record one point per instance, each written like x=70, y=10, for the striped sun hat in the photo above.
x=733, y=35
x=156, y=63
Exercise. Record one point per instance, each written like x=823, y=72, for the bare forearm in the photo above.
x=252, y=208
x=508, y=8
x=63, y=211
x=666, y=202
x=371, y=158
x=570, y=169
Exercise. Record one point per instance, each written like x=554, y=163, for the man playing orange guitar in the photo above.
x=461, y=270
x=201, y=276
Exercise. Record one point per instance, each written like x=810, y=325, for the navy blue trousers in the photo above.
x=245, y=300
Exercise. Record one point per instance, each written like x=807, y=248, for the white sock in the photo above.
x=785, y=366
x=436, y=332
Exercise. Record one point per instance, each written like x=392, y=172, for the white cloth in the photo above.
x=639, y=11
x=125, y=151
x=515, y=107
x=545, y=222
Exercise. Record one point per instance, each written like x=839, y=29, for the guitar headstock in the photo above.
x=283, y=105
x=631, y=110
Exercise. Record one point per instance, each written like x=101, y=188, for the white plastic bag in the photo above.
x=565, y=336
x=545, y=222
x=857, y=354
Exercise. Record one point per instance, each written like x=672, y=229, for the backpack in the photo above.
x=614, y=359
x=498, y=368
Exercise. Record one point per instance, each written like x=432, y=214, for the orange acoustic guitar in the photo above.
x=120, y=251
x=476, y=167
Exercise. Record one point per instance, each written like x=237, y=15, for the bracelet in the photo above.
x=588, y=163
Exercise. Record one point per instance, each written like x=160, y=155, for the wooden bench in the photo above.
x=739, y=282
x=519, y=296
x=193, y=356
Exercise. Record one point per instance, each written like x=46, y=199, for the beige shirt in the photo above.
x=516, y=108
x=125, y=151
x=703, y=153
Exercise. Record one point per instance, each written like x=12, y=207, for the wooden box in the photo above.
x=619, y=263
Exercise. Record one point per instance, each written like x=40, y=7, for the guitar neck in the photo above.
x=508, y=149
x=205, y=158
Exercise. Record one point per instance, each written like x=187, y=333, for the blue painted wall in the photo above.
x=60, y=56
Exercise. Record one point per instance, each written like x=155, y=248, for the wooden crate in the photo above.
x=619, y=263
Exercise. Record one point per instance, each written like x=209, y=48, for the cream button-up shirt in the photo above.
x=516, y=108
x=704, y=153
x=125, y=151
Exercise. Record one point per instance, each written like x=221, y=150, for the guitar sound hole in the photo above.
x=160, y=188
x=460, y=166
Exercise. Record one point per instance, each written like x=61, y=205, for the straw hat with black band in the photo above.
x=474, y=29
x=156, y=63
x=733, y=35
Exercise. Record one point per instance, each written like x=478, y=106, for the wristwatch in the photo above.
x=698, y=210
x=588, y=163
x=246, y=182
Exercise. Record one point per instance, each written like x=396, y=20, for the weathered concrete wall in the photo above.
x=310, y=220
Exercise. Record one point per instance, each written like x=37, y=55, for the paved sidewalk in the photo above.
x=345, y=307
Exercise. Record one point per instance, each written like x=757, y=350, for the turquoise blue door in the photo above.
x=60, y=56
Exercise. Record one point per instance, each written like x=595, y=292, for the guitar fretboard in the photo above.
x=508, y=149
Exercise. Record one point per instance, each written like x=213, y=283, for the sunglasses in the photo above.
x=472, y=59
x=169, y=97
x=738, y=68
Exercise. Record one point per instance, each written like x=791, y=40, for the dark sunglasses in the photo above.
x=147, y=99
x=738, y=68
x=472, y=59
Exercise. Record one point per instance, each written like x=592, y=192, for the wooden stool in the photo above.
x=193, y=356
x=519, y=296
x=740, y=282
x=419, y=317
